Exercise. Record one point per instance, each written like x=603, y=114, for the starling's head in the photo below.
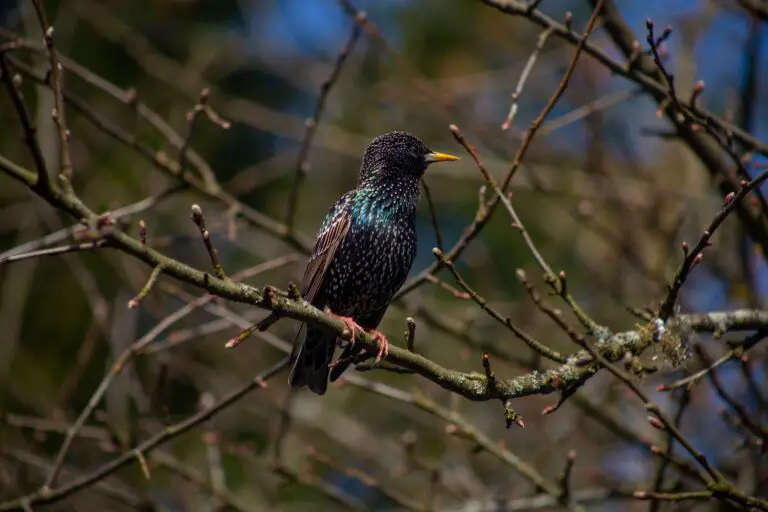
x=398, y=155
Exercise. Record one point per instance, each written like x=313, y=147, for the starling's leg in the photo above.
x=383, y=351
x=351, y=325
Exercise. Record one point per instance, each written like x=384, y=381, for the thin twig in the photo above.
x=564, y=480
x=57, y=84
x=54, y=251
x=72, y=231
x=694, y=256
x=137, y=348
x=654, y=409
x=199, y=220
x=448, y=287
x=284, y=424
x=658, y=481
x=212, y=440
x=683, y=116
x=749, y=376
x=410, y=334
x=228, y=499
x=619, y=67
x=458, y=426
x=557, y=282
x=47, y=494
x=474, y=229
x=540, y=42
x=403, y=502
x=433, y=215
x=30, y=136
x=201, y=107
x=673, y=496
x=734, y=354
x=749, y=421
x=553, y=314
x=310, y=125
x=535, y=345
x=153, y=277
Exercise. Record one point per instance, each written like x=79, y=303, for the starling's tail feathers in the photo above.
x=347, y=357
x=311, y=360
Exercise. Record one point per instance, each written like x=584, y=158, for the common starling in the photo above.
x=362, y=255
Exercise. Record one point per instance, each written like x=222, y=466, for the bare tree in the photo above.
x=142, y=365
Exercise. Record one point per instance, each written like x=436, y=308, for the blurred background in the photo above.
x=606, y=191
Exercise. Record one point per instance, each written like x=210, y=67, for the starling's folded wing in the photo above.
x=322, y=254
x=311, y=356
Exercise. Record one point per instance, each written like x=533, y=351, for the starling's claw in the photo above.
x=383, y=351
x=351, y=325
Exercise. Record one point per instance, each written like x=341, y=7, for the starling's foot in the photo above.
x=383, y=351
x=351, y=325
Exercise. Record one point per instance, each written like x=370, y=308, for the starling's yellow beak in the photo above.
x=431, y=158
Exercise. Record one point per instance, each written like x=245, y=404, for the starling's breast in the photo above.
x=374, y=259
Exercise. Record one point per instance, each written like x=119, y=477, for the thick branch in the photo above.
x=474, y=386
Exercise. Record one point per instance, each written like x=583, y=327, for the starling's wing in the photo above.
x=323, y=252
x=311, y=357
